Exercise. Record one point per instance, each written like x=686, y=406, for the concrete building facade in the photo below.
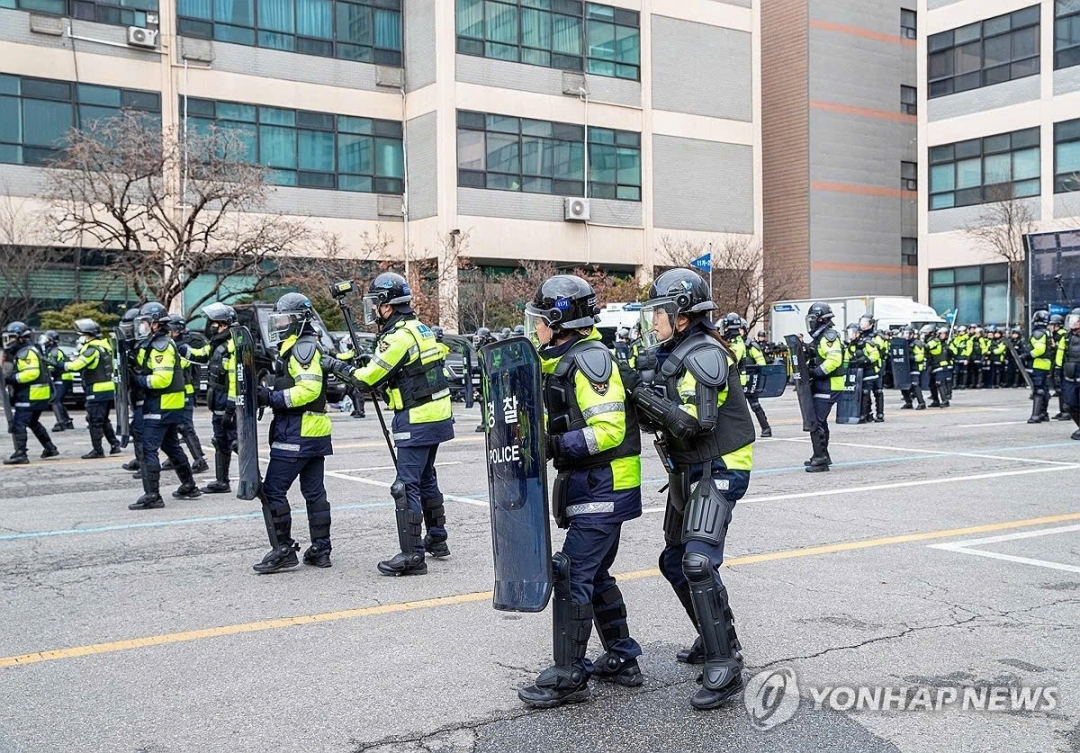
x=418, y=118
x=839, y=143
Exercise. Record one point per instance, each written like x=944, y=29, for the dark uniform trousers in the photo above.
x=162, y=433
x=186, y=427
x=97, y=418
x=224, y=424
x=30, y=418
x=822, y=408
x=281, y=472
x=59, y=393
x=416, y=470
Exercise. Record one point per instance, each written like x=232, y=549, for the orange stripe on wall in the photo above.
x=890, y=193
x=864, y=112
x=839, y=266
x=856, y=31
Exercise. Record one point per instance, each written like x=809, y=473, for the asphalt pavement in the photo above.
x=941, y=553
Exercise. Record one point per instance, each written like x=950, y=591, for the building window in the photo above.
x=984, y=170
x=909, y=176
x=36, y=114
x=535, y=156
x=984, y=53
x=120, y=13
x=1067, y=33
x=1067, y=156
x=909, y=27
x=367, y=31
x=311, y=149
x=909, y=100
x=978, y=293
x=565, y=34
x=909, y=252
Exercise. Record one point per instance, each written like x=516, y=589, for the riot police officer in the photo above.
x=916, y=365
x=1059, y=333
x=998, y=353
x=482, y=337
x=595, y=443
x=746, y=354
x=622, y=344
x=190, y=353
x=127, y=340
x=31, y=392
x=1040, y=353
x=299, y=436
x=687, y=389
x=861, y=353
x=160, y=375
x=1070, y=368
x=55, y=358
x=940, y=357
x=408, y=362
x=355, y=395
x=872, y=338
x=95, y=361
x=220, y=390
x=826, y=363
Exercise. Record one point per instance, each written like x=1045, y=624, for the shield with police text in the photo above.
x=899, y=360
x=766, y=381
x=513, y=414
x=122, y=380
x=247, y=420
x=5, y=396
x=800, y=369
x=1021, y=366
x=849, y=406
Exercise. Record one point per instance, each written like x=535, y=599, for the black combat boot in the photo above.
x=281, y=557
x=435, y=517
x=151, y=498
x=131, y=465
x=410, y=560
x=200, y=465
x=115, y=449
x=721, y=677
x=609, y=612
x=318, y=554
x=1036, y=409
x=50, y=451
x=220, y=484
x=93, y=455
x=819, y=462
x=188, y=489
x=766, y=430
x=19, y=457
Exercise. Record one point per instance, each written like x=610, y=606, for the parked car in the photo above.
x=256, y=317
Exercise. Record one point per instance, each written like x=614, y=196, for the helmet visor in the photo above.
x=371, y=311
x=658, y=321
x=1072, y=321
x=534, y=323
x=852, y=333
x=9, y=339
x=142, y=327
x=279, y=326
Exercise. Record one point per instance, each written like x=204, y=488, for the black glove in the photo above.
x=554, y=447
x=262, y=395
x=630, y=377
x=10, y=379
x=336, y=366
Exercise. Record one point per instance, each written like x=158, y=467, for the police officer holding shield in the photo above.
x=686, y=387
x=299, y=436
x=31, y=391
x=1041, y=351
x=220, y=390
x=190, y=353
x=916, y=364
x=595, y=443
x=825, y=359
x=95, y=362
x=408, y=362
x=54, y=356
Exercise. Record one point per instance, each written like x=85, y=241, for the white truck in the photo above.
x=616, y=316
x=789, y=317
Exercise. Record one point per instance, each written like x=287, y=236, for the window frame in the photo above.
x=912, y=107
x=979, y=33
x=1071, y=51
x=995, y=274
x=334, y=47
x=1064, y=179
x=564, y=136
x=112, y=13
x=909, y=252
x=981, y=149
x=909, y=30
x=587, y=14
x=909, y=183
x=77, y=98
x=266, y=119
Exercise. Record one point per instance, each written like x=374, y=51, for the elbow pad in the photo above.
x=665, y=413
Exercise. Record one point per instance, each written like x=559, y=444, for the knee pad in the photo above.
x=397, y=491
x=696, y=567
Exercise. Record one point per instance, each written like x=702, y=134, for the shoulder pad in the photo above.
x=708, y=365
x=831, y=335
x=594, y=360
x=22, y=352
x=305, y=350
x=161, y=343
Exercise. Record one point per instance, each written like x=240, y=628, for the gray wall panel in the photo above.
x=23, y=180
x=986, y=98
x=846, y=69
x=701, y=69
x=855, y=229
x=935, y=4
x=740, y=3
x=470, y=69
x=291, y=66
x=317, y=203
x=1067, y=205
x=946, y=220
x=856, y=149
x=702, y=185
x=1067, y=80
x=511, y=205
x=15, y=27
x=423, y=167
x=419, y=43
x=882, y=16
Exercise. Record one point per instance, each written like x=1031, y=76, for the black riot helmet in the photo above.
x=818, y=318
x=127, y=324
x=87, y=327
x=675, y=292
x=439, y=333
x=927, y=331
x=1057, y=320
x=943, y=333
x=149, y=315
x=1072, y=321
x=482, y=336
x=292, y=313
x=908, y=332
x=506, y=332
x=387, y=289
x=51, y=337
x=866, y=324
x=177, y=324
x=853, y=332
x=219, y=317
x=1040, y=319
x=519, y=330
x=16, y=334
x=731, y=324
x=562, y=302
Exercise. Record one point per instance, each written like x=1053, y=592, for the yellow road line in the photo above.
x=467, y=598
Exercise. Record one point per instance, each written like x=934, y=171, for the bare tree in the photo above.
x=172, y=208
x=435, y=273
x=739, y=282
x=1000, y=229
x=23, y=258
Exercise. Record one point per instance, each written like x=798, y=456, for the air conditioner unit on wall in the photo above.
x=140, y=37
x=575, y=209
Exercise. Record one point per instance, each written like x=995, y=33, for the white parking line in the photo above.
x=386, y=485
x=390, y=467
x=925, y=451
x=901, y=484
x=995, y=423
x=966, y=547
